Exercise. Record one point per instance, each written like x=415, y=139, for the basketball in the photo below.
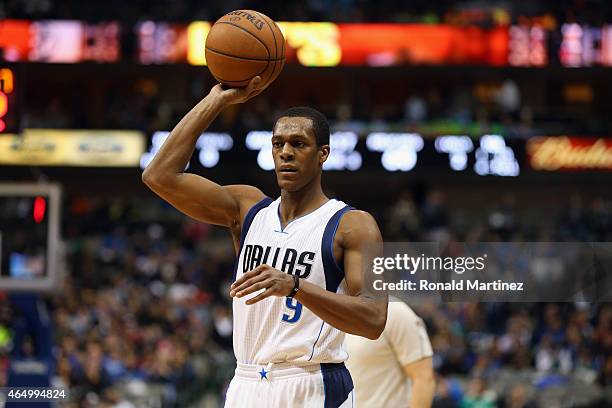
x=243, y=44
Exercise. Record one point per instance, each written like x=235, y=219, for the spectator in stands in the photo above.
x=517, y=398
x=478, y=396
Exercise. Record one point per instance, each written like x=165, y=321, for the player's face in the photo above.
x=297, y=159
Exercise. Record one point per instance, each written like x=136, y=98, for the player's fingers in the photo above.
x=248, y=275
x=246, y=284
x=256, y=92
x=265, y=294
x=254, y=288
x=253, y=84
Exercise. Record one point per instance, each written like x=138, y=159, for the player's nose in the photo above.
x=287, y=152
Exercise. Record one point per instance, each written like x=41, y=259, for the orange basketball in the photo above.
x=243, y=44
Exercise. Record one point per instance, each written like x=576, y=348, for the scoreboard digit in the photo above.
x=9, y=115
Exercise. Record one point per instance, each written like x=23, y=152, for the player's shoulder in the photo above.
x=356, y=215
x=356, y=228
x=357, y=219
x=245, y=192
x=359, y=227
x=246, y=196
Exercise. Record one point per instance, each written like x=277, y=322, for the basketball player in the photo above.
x=298, y=283
x=396, y=369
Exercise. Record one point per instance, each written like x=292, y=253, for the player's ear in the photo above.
x=323, y=154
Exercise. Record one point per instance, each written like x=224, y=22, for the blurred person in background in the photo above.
x=517, y=398
x=396, y=369
x=403, y=221
x=478, y=395
x=448, y=393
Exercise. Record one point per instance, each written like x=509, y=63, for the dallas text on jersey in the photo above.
x=291, y=261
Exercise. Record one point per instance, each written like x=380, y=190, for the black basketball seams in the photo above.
x=247, y=31
x=275, y=45
x=233, y=56
x=239, y=57
x=284, y=43
x=271, y=22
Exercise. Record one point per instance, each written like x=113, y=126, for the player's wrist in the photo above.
x=218, y=98
x=296, y=286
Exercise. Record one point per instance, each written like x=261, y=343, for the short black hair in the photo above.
x=320, y=126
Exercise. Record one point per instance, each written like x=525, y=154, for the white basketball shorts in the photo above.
x=327, y=385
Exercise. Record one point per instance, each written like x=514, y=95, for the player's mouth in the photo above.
x=287, y=170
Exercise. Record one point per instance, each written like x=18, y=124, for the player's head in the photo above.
x=300, y=146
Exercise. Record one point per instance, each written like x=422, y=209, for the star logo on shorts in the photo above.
x=263, y=373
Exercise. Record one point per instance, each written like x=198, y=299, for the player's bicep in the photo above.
x=359, y=230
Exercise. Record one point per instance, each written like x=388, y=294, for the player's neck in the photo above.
x=297, y=203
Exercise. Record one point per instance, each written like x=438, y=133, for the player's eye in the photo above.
x=277, y=144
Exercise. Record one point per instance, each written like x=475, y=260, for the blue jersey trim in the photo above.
x=334, y=273
x=248, y=220
x=316, y=341
x=337, y=384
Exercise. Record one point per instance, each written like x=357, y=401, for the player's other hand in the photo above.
x=231, y=96
x=275, y=283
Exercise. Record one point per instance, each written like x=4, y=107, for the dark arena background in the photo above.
x=451, y=121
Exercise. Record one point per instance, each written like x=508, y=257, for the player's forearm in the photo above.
x=423, y=388
x=178, y=148
x=351, y=314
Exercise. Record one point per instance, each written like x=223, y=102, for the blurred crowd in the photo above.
x=590, y=11
x=504, y=107
x=145, y=318
x=425, y=217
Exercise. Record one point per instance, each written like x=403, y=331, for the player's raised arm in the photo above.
x=356, y=312
x=194, y=195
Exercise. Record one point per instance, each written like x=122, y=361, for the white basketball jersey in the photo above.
x=280, y=329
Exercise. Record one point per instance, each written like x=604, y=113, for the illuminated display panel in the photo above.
x=585, y=46
x=330, y=44
x=59, y=41
x=527, y=46
x=488, y=155
x=9, y=114
x=15, y=41
x=164, y=43
x=317, y=44
x=569, y=153
x=395, y=44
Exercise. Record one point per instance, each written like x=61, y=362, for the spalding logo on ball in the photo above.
x=243, y=44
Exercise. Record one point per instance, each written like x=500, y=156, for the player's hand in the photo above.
x=275, y=283
x=231, y=96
